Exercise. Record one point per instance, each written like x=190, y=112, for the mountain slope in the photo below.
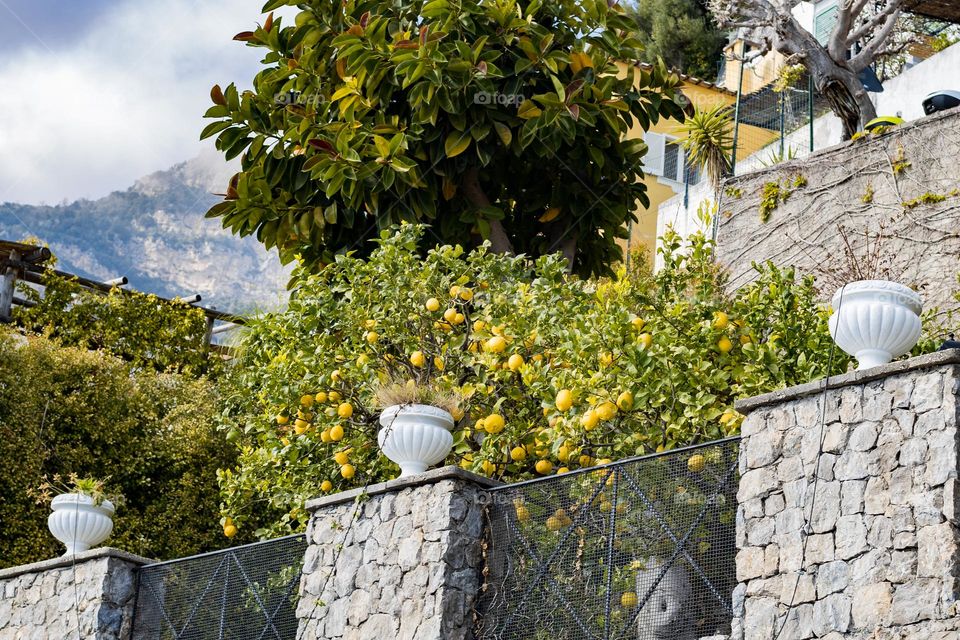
x=155, y=234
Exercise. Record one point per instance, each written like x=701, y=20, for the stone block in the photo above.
x=871, y=604
x=937, y=551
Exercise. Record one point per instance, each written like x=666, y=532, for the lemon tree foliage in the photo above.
x=153, y=435
x=554, y=372
x=503, y=121
x=137, y=327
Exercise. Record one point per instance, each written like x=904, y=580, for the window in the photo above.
x=665, y=158
x=823, y=24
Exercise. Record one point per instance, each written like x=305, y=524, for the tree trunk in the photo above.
x=838, y=83
x=844, y=92
x=499, y=240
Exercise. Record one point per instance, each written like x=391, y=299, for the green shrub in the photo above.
x=66, y=410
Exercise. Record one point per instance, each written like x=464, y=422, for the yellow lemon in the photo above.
x=333, y=396
x=493, y=423
x=438, y=363
x=307, y=400
x=345, y=410
x=554, y=523
x=638, y=323
x=496, y=344
x=564, y=400
x=585, y=461
x=724, y=345
x=720, y=320
x=325, y=435
x=230, y=530
x=479, y=325
x=606, y=410
x=515, y=362
x=745, y=339
x=300, y=425
x=347, y=471
x=518, y=454
x=370, y=324
x=454, y=291
x=645, y=340
x=335, y=375
x=488, y=467
x=450, y=314
x=362, y=359
x=417, y=359
x=522, y=513
x=459, y=318
x=466, y=294
x=432, y=304
x=326, y=485
x=696, y=463
x=562, y=470
x=628, y=600
x=282, y=419
x=563, y=453
x=480, y=425
x=589, y=420
x=543, y=467
x=336, y=433
x=372, y=337
x=321, y=396
x=625, y=401
x=606, y=359
x=341, y=457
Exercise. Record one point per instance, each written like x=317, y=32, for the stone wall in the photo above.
x=402, y=559
x=905, y=181
x=48, y=599
x=865, y=543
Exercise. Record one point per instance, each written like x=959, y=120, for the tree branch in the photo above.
x=863, y=59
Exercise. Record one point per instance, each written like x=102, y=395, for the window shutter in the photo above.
x=823, y=24
x=653, y=161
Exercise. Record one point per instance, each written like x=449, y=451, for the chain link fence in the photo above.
x=243, y=593
x=641, y=549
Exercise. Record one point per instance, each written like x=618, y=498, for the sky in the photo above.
x=97, y=93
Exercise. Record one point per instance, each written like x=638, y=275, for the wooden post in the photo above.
x=7, y=282
x=208, y=334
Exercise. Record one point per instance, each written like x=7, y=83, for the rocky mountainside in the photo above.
x=155, y=234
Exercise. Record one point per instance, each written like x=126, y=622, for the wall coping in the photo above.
x=928, y=361
x=67, y=561
x=431, y=476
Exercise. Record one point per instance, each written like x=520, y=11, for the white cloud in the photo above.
x=122, y=100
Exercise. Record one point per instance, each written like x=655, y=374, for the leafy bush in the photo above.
x=555, y=372
x=67, y=410
x=137, y=327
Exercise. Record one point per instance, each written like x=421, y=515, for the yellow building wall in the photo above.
x=643, y=232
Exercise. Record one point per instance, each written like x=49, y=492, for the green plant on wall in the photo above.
x=137, y=327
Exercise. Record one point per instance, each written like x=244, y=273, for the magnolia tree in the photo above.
x=864, y=31
x=504, y=121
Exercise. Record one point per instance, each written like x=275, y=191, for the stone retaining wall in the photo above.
x=49, y=599
x=401, y=560
x=865, y=542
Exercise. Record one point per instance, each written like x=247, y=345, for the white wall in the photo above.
x=904, y=94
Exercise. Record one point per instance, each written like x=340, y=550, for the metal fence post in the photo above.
x=736, y=110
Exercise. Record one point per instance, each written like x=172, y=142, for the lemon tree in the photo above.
x=555, y=373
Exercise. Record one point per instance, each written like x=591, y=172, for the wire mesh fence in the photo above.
x=641, y=549
x=243, y=593
x=776, y=123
